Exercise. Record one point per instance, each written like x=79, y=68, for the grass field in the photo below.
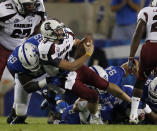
x=40, y=124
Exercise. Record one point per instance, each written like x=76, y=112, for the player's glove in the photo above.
x=147, y=109
x=131, y=65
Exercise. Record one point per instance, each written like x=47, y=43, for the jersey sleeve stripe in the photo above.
x=146, y=16
x=52, y=50
x=25, y=54
x=5, y=18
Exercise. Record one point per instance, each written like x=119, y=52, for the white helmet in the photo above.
x=26, y=7
x=53, y=29
x=152, y=91
x=29, y=57
x=100, y=71
x=154, y=3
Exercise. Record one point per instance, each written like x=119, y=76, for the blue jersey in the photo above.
x=115, y=74
x=14, y=65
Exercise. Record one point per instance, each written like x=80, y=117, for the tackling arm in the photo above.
x=32, y=86
x=117, y=92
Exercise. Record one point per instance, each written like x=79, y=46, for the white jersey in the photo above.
x=149, y=15
x=50, y=51
x=14, y=28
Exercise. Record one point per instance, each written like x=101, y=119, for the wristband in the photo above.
x=87, y=53
x=147, y=109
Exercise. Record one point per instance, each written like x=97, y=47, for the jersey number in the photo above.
x=19, y=33
x=154, y=25
x=12, y=59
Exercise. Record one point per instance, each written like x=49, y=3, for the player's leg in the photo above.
x=91, y=96
x=4, y=53
x=147, y=64
x=91, y=78
x=86, y=93
x=21, y=102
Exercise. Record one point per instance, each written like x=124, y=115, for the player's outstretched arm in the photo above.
x=64, y=64
x=117, y=92
x=140, y=30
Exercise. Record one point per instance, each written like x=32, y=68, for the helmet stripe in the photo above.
x=25, y=54
x=95, y=70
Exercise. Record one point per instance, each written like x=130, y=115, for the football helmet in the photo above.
x=53, y=29
x=154, y=3
x=29, y=57
x=100, y=71
x=26, y=7
x=152, y=91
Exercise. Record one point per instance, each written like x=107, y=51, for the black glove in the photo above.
x=31, y=87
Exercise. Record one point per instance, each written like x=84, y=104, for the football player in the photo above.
x=148, y=59
x=150, y=99
x=78, y=113
x=54, y=49
x=19, y=19
x=30, y=76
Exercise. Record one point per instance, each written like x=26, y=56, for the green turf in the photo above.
x=40, y=124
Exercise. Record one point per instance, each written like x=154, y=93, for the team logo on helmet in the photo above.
x=47, y=26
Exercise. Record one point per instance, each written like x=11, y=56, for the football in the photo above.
x=80, y=47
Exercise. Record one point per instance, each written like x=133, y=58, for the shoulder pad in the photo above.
x=41, y=7
x=7, y=8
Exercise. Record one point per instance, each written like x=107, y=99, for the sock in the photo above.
x=134, y=104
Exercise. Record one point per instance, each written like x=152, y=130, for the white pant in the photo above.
x=21, y=97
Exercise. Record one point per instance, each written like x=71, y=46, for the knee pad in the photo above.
x=139, y=84
x=21, y=109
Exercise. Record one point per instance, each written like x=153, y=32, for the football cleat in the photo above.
x=19, y=120
x=96, y=119
x=11, y=116
x=84, y=117
x=133, y=119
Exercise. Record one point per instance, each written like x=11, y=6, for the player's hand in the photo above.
x=131, y=65
x=89, y=48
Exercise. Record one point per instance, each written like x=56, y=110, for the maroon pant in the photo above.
x=4, y=54
x=148, y=59
x=86, y=76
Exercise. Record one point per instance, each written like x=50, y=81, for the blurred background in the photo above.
x=97, y=19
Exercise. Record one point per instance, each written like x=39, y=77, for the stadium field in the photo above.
x=40, y=124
